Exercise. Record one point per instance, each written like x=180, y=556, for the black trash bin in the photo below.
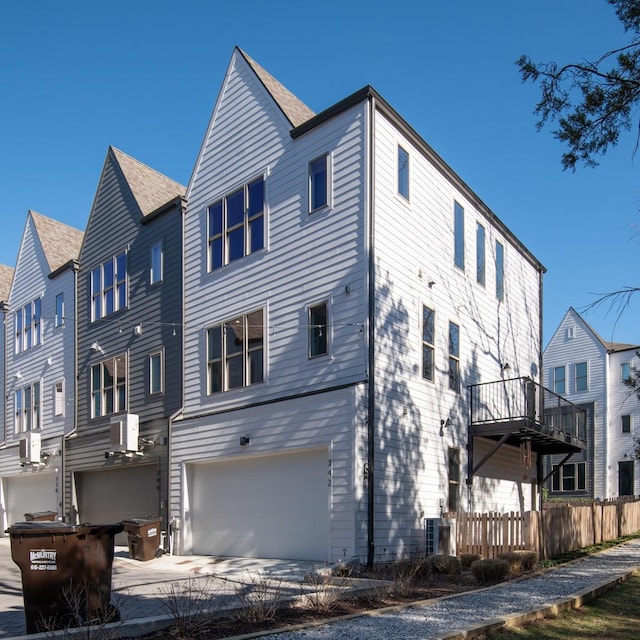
x=143, y=536
x=66, y=572
x=40, y=516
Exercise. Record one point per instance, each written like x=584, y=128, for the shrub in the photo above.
x=467, y=559
x=490, y=570
x=445, y=564
x=259, y=598
x=406, y=572
x=520, y=561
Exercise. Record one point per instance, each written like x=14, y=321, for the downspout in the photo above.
x=371, y=345
x=5, y=422
x=539, y=467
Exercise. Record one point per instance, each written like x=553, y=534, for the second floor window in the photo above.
x=559, y=380
x=581, y=376
x=235, y=353
x=109, y=287
x=428, y=341
x=156, y=268
x=625, y=371
x=156, y=377
x=480, y=254
x=403, y=173
x=58, y=398
x=59, y=320
x=319, y=183
x=109, y=386
x=318, y=343
x=27, y=408
x=28, y=326
x=499, y=271
x=625, y=424
x=454, y=356
x=458, y=236
x=235, y=225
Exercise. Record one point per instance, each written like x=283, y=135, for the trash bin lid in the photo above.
x=45, y=527
x=142, y=520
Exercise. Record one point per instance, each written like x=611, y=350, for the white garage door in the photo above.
x=266, y=507
x=111, y=495
x=29, y=493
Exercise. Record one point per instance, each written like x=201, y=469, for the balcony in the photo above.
x=520, y=412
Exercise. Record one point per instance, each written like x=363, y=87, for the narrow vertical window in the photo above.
x=58, y=398
x=499, y=271
x=318, y=344
x=28, y=323
x=454, y=356
x=319, y=183
x=625, y=371
x=17, y=402
x=156, y=373
x=255, y=215
x=121, y=281
x=19, y=330
x=403, y=173
x=214, y=359
x=453, y=464
x=428, y=341
x=581, y=375
x=480, y=255
x=625, y=424
x=458, y=236
x=96, y=293
x=37, y=321
x=59, y=322
x=156, y=271
x=255, y=347
x=559, y=380
x=555, y=478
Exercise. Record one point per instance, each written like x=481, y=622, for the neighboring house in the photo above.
x=591, y=372
x=40, y=368
x=129, y=368
x=343, y=287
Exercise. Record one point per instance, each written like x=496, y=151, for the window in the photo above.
x=318, y=344
x=625, y=371
x=480, y=254
x=58, y=398
x=236, y=224
x=571, y=477
x=109, y=386
x=27, y=408
x=28, y=327
x=156, y=377
x=454, y=356
x=581, y=376
x=458, y=236
x=428, y=341
x=403, y=173
x=559, y=380
x=156, y=271
x=499, y=272
x=235, y=353
x=109, y=287
x=454, y=479
x=59, y=319
x=319, y=183
x=625, y=424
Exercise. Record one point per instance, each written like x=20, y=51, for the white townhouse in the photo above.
x=343, y=288
x=39, y=369
x=591, y=372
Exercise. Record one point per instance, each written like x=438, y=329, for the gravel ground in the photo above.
x=444, y=617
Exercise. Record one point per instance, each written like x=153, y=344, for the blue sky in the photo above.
x=143, y=75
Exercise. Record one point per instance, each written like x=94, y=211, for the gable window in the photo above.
x=236, y=224
x=318, y=343
x=480, y=255
x=581, y=376
x=28, y=326
x=403, y=173
x=625, y=371
x=625, y=424
x=27, y=408
x=428, y=341
x=559, y=380
x=499, y=271
x=458, y=236
x=109, y=287
x=156, y=373
x=235, y=353
x=454, y=356
x=156, y=270
x=571, y=477
x=58, y=398
x=59, y=319
x=319, y=183
x=453, y=464
x=109, y=386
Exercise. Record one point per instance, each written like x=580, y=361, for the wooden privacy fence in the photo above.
x=550, y=532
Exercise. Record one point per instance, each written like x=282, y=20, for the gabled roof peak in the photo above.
x=292, y=107
x=60, y=242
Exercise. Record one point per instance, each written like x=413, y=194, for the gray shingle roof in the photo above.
x=60, y=242
x=150, y=188
x=294, y=109
x=6, y=276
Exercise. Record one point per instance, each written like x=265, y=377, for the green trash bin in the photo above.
x=66, y=573
x=143, y=536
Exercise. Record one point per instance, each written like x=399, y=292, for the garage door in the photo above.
x=112, y=495
x=29, y=493
x=267, y=507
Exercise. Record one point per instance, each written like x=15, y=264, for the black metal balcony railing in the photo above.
x=522, y=408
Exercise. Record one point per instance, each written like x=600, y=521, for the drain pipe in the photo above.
x=371, y=399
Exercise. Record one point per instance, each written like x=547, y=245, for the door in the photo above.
x=625, y=478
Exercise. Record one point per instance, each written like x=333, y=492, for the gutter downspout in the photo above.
x=539, y=467
x=371, y=345
x=4, y=310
